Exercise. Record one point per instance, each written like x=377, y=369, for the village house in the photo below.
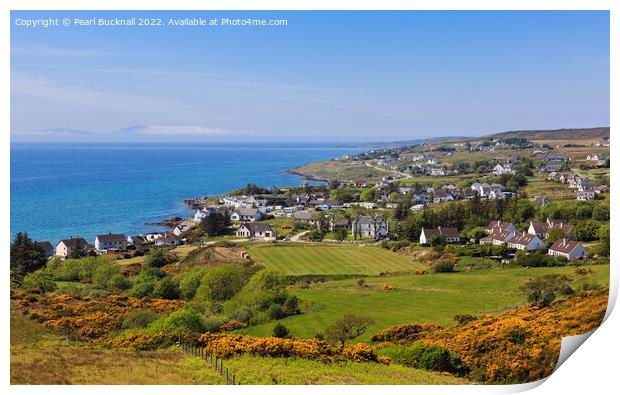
x=152, y=236
x=169, y=240
x=306, y=217
x=525, y=242
x=110, y=242
x=47, y=247
x=501, y=169
x=136, y=240
x=498, y=236
x=65, y=247
x=568, y=249
x=541, y=200
x=366, y=205
x=585, y=195
x=439, y=195
x=596, y=157
x=367, y=226
x=451, y=235
x=257, y=231
x=208, y=210
x=501, y=226
x=246, y=215
x=180, y=229
x=541, y=229
x=338, y=223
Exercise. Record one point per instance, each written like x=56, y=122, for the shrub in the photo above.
x=275, y=312
x=166, y=288
x=542, y=291
x=347, y=327
x=462, y=319
x=403, y=332
x=139, y=319
x=42, y=279
x=103, y=275
x=361, y=283
x=120, y=282
x=181, y=321
x=156, y=258
x=221, y=283
x=443, y=267
x=189, y=283
x=436, y=359
x=232, y=325
x=539, y=259
x=280, y=331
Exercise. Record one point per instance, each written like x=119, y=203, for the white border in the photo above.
x=593, y=368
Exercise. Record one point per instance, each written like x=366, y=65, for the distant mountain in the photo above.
x=405, y=143
x=558, y=134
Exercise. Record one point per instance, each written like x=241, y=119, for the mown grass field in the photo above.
x=303, y=259
x=434, y=298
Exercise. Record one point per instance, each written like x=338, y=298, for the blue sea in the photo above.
x=64, y=190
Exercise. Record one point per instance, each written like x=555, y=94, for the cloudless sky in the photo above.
x=326, y=76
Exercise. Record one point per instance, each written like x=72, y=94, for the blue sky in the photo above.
x=326, y=76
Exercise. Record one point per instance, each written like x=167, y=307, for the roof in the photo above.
x=72, y=241
x=257, y=227
x=446, y=232
x=367, y=220
x=246, y=211
x=522, y=238
x=564, y=245
x=499, y=234
x=341, y=221
x=112, y=238
x=498, y=224
x=305, y=215
x=46, y=245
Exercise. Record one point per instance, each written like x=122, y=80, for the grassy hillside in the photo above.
x=558, y=134
x=321, y=259
x=434, y=298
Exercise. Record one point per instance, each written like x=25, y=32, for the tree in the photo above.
x=367, y=195
x=156, y=258
x=347, y=328
x=344, y=195
x=221, y=283
x=280, y=331
x=42, y=279
x=77, y=249
x=26, y=256
x=542, y=291
x=341, y=234
x=586, y=230
x=553, y=235
x=216, y=224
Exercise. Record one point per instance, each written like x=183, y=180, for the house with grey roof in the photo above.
x=256, y=230
x=65, y=247
x=110, y=242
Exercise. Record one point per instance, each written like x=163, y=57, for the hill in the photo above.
x=557, y=134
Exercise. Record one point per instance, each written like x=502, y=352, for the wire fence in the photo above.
x=216, y=363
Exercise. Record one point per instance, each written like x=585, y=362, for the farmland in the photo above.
x=325, y=259
x=434, y=298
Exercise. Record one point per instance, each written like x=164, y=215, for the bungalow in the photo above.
x=525, y=242
x=136, y=240
x=47, y=247
x=585, y=195
x=541, y=229
x=498, y=236
x=169, y=240
x=568, y=249
x=180, y=229
x=367, y=226
x=541, y=200
x=152, y=236
x=338, y=223
x=450, y=234
x=501, y=226
x=65, y=247
x=501, y=169
x=596, y=157
x=306, y=217
x=111, y=242
x=439, y=195
x=258, y=231
x=246, y=215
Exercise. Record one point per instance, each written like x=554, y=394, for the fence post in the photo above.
x=226, y=374
x=233, y=379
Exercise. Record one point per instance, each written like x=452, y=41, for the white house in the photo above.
x=450, y=234
x=169, y=240
x=500, y=169
x=498, y=236
x=180, y=229
x=246, y=215
x=258, y=231
x=111, y=242
x=585, y=195
x=525, y=242
x=541, y=229
x=65, y=247
x=500, y=225
x=596, y=157
x=152, y=236
x=367, y=226
x=569, y=249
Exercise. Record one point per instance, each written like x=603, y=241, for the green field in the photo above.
x=303, y=259
x=432, y=298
